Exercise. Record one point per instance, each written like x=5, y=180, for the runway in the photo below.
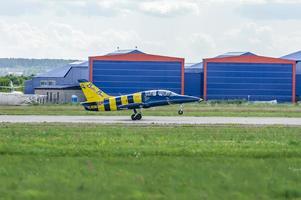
x=159, y=120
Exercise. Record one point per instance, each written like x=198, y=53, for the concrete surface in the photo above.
x=151, y=120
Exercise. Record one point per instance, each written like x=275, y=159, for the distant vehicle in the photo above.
x=97, y=100
x=16, y=98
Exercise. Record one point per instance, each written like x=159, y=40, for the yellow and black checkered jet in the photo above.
x=97, y=100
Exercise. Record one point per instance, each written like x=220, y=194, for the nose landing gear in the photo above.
x=181, y=112
x=136, y=115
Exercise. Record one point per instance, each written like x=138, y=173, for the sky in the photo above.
x=191, y=29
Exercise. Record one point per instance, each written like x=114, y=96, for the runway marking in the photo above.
x=152, y=120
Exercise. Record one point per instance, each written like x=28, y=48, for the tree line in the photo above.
x=16, y=80
x=24, y=62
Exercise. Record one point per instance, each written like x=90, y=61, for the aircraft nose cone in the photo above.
x=196, y=98
x=186, y=99
x=199, y=99
x=193, y=99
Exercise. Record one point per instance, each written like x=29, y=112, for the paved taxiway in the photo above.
x=151, y=120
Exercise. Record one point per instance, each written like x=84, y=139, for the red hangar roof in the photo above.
x=249, y=59
x=137, y=57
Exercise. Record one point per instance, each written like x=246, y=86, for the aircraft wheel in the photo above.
x=133, y=117
x=136, y=117
x=180, y=112
x=139, y=116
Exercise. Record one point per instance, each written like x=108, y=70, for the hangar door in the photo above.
x=124, y=77
x=194, y=82
x=249, y=81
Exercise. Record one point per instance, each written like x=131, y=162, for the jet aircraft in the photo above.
x=17, y=98
x=97, y=100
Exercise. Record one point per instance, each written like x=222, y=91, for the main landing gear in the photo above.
x=136, y=115
x=181, y=112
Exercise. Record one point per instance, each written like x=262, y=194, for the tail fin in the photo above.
x=91, y=92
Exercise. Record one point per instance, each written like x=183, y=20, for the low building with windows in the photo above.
x=60, y=85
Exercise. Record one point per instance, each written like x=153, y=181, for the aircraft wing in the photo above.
x=8, y=87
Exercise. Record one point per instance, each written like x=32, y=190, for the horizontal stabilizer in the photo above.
x=82, y=81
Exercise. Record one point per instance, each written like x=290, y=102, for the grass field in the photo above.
x=234, y=110
x=71, y=161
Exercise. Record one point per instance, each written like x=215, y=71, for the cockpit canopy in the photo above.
x=161, y=93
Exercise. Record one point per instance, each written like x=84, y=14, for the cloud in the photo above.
x=259, y=9
x=21, y=7
x=278, y=10
x=107, y=8
x=60, y=40
x=194, y=46
x=163, y=8
x=254, y=2
x=192, y=28
x=250, y=36
x=64, y=7
x=262, y=39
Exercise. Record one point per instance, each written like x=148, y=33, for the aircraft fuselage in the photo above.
x=145, y=99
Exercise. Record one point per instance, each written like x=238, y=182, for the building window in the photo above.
x=58, y=97
x=47, y=83
x=43, y=83
x=51, y=83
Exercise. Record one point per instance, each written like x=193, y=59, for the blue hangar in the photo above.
x=250, y=77
x=129, y=71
